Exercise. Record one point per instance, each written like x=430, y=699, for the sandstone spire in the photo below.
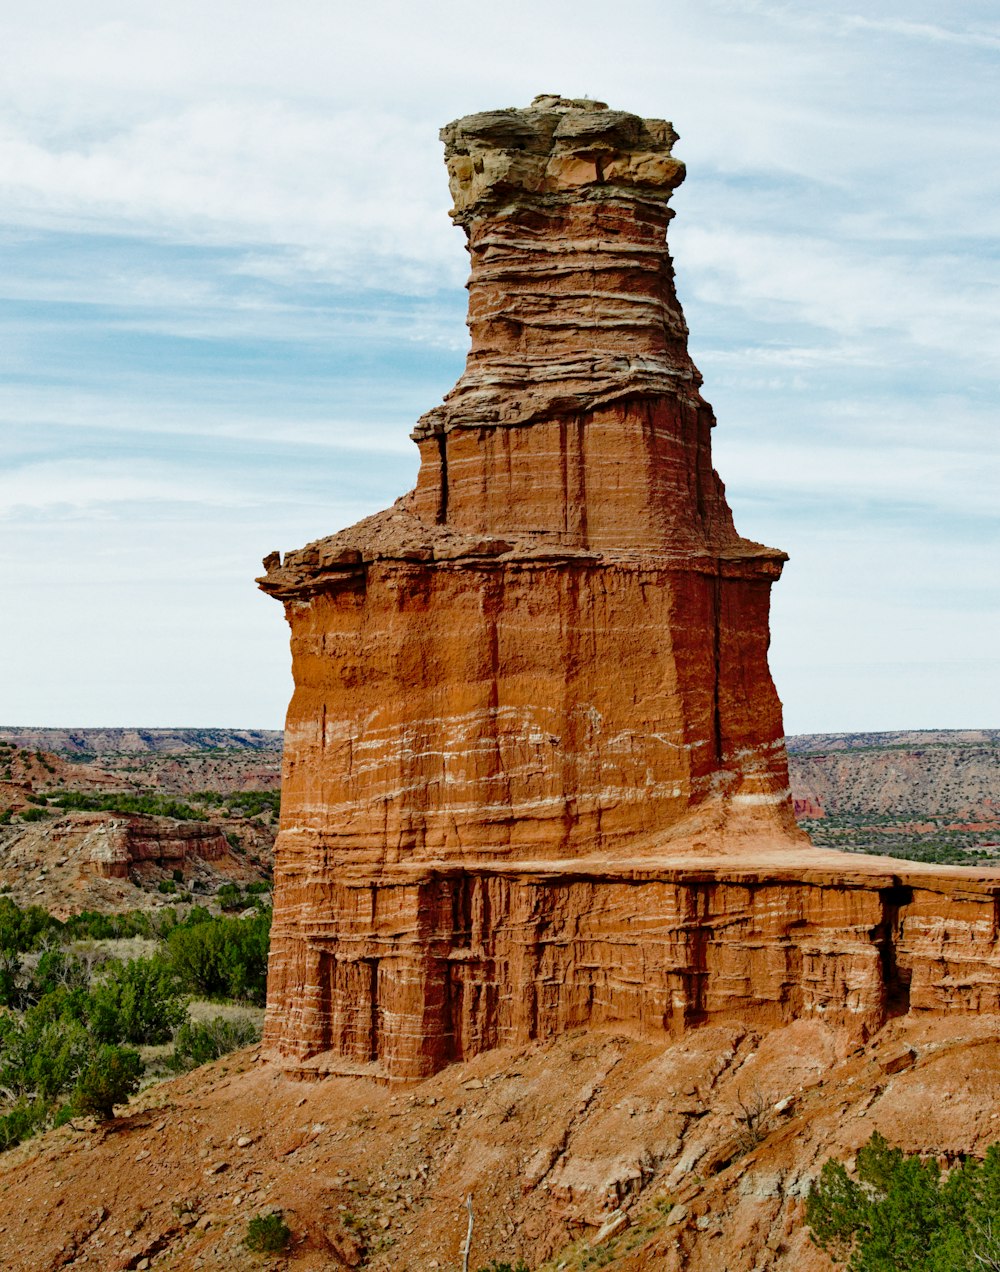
x=553, y=652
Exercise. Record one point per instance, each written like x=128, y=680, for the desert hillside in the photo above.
x=107, y=824
x=930, y=795
x=594, y=1150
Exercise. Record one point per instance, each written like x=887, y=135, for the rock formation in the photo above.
x=534, y=775
x=113, y=845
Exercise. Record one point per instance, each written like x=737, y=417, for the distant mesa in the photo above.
x=534, y=772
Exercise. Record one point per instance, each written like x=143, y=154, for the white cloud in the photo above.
x=279, y=170
x=938, y=303
x=924, y=31
x=77, y=486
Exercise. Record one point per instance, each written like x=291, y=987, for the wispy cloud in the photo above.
x=925, y=31
x=229, y=286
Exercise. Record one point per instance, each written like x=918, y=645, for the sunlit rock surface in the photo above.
x=534, y=775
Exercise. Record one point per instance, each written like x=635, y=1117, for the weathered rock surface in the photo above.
x=112, y=844
x=534, y=776
x=557, y=1142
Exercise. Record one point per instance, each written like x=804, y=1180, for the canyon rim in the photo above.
x=534, y=774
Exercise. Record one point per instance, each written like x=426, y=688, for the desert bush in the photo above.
x=10, y=978
x=230, y=897
x=901, y=1214
x=267, y=1234
x=93, y=926
x=22, y=1121
x=25, y=929
x=198, y=1043
x=139, y=1001
x=222, y=957
x=41, y=1054
x=752, y=1119
x=57, y=969
x=151, y=805
x=253, y=803
x=109, y=1077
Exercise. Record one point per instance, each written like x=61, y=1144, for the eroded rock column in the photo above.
x=552, y=654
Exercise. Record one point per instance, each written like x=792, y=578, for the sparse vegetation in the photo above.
x=267, y=1234
x=110, y=1075
x=752, y=1119
x=200, y=1043
x=151, y=805
x=895, y=836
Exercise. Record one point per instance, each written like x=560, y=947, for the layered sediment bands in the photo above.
x=533, y=764
x=526, y=707
x=409, y=975
x=115, y=844
x=632, y=476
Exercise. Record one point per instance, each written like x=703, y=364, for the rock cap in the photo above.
x=555, y=147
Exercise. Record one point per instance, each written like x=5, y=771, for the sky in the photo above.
x=229, y=286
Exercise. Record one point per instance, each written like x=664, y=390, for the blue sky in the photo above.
x=229, y=286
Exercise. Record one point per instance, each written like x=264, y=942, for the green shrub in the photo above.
x=222, y=957
x=253, y=803
x=202, y=1042
x=22, y=1121
x=25, y=929
x=167, y=886
x=230, y=897
x=33, y=814
x=5, y=817
x=109, y=1078
x=150, y=805
x=900, y=1215
x=41, y=1052
x=139, y=1001
x=267, y=1234
x=57, y=970
x=94, y=926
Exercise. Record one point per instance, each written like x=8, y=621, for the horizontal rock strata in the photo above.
x=114, y=844
x=534, y=754
x=410, y=974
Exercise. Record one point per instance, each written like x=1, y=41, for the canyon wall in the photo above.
x=534, y=775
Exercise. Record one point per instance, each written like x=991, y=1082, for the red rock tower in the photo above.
x=543, y=671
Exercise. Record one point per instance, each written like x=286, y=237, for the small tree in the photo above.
x=138, y=1002
x=900, y=1214
x=110, y=1076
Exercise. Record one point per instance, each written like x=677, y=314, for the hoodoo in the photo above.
x=534, y=771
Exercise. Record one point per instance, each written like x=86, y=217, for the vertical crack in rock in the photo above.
x=535, y=777
x=896, y=976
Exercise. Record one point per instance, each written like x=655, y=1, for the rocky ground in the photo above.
x=595, y=1150
x=150, y=827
